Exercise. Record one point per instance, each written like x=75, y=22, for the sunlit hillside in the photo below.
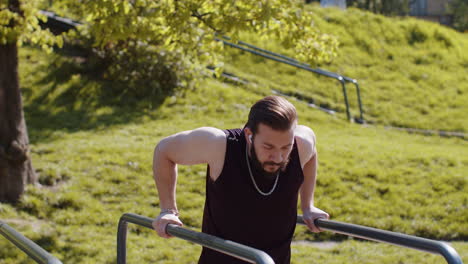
x=93, y=150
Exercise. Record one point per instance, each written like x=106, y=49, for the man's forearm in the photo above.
x=165, y=177
x=308, y=186
x=307, y=197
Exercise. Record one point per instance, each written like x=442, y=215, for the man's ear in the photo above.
x=248, y=134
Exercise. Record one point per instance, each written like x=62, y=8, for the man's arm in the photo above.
x=309, y=160
x=202, y=145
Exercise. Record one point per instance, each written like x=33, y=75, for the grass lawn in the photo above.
x=93, y=155
x=412, y=73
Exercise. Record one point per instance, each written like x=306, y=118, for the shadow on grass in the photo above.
x=72, y=96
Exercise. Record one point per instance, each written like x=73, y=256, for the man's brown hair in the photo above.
x=273, y=111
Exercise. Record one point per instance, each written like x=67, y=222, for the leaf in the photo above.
x=127, y=7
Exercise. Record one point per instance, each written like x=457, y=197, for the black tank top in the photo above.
x=234, y=210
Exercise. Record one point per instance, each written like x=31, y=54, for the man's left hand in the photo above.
x=310, y=215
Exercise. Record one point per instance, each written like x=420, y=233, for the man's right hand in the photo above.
x=160, y=223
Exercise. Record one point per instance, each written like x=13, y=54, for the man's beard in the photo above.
x=259, y=167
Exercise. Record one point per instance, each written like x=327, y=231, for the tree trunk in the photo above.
x=367, y=5
x=15, y=165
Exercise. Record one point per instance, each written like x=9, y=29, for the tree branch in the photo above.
x=200, y=17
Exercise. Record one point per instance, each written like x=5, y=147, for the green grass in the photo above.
x=412, y=73
x=353, y=251
x=93, y=154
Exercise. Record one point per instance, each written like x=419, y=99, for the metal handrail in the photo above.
x=66, y=24
x=27, y=246
x=316, y=70
x=292, y=62
x=231, y=248
x=368, y=233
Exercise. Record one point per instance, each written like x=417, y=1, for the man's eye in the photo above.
x=268, y=147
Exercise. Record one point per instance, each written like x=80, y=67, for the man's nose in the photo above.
x=276, y=157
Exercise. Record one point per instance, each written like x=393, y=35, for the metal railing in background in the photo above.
x=292, y=62
x=58, y=23
x=27, y=246
x=61, y=24
x=368, y=233
x=233, y=249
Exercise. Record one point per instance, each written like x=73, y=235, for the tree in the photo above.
x=384, y=7
x=459, y=10
x=183, y=32
x=136, y=33
x=17, y=23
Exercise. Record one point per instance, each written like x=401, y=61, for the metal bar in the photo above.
x=27, y=246
x=298, y=65
x=368, y=233
x=122, y=241
x=316, y=70
x=345, y=95
x=266, y=51
x=64, y=23
x=231, y=248
x=358, y=93
x=340, y=78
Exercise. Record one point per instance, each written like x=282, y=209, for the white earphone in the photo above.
x=250, y=138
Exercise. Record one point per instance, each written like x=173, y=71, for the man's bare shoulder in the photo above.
x=305, y=134
x=200, y=145
x=305, y=138
x=210, y=138
x=210, y=132
x=214, y=147
x=204, y=134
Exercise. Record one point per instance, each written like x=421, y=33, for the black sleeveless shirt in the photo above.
x=236, y=211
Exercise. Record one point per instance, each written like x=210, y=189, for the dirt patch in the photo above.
x=18, y=223
x=321, y=244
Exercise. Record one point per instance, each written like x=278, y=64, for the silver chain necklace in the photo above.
x=253, y=180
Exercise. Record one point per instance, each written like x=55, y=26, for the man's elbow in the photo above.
x=160, y=152
x=160, y=146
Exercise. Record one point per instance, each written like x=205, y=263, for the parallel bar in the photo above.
x=233, y=249
x=368, y=233
x=27, y=246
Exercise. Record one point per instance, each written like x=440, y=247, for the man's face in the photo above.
x=271, y=149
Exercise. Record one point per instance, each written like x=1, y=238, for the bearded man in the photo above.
x=254, y=177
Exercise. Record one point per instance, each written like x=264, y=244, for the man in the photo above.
x=254, y=176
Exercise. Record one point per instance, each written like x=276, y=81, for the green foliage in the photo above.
x=155, y=46
x=416, y=34
x=459, y=10
x=21, y=24
x=189, y=26
x=140, y=70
